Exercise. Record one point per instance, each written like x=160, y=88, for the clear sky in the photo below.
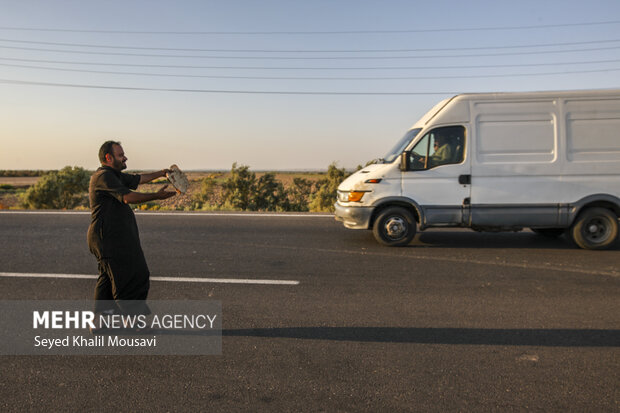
x=69, y=71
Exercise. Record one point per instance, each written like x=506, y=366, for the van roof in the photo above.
x=452, y=103
x=541, y=94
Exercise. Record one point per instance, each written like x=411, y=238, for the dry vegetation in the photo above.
x=184, y=201
x=12, y=187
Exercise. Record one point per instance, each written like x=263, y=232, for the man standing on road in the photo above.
x=113, y=233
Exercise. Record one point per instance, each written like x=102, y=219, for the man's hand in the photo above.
x=139, y=197
x=163, y=194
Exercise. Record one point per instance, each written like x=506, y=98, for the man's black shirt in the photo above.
x=113, y=231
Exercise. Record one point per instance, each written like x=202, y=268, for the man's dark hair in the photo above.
x=105, y=149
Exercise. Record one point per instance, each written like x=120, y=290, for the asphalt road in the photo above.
x=458, y=321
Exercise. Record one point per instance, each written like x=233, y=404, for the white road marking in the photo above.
x=181, y=214
x=165, y=279
x=225, y=280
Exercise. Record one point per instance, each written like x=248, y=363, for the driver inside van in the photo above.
x=443, y=152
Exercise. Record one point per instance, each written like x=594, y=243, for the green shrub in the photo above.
x=270, y=194
x=243, y=191
x=7, y=188
x=324, y=198
x=64, y=189
x=206, y=195
x=240, y=187
x=299, y=194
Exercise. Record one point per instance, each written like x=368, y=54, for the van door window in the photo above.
x=441, y=146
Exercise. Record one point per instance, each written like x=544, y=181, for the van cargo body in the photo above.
x=549, y=161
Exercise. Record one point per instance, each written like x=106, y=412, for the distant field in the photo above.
x=19, y=181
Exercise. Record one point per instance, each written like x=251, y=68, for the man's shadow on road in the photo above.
x=471, y=239
x=462, y=336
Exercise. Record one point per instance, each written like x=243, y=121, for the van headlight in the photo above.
x=350, y=196
x=343, y=196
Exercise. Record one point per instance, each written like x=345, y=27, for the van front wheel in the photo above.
x=394, y=227
x=595, y=229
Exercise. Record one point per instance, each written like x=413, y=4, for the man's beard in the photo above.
x=119, y=165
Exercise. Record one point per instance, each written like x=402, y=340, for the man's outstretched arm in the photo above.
x=139, y=197
x=146, y=178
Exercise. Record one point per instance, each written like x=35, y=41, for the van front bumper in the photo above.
x=353, y=217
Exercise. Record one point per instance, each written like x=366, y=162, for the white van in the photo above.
x=549, y=161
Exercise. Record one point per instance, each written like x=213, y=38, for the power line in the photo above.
x=310, y=51
x=216, y=91
x=220, y=91
x=327, y=32
x=316, y=78
x=460, y=66
x=313, y=57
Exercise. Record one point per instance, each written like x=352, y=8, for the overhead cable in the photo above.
x=315, y=78
x=312, y=57
x=326, y=32
x=442, y=67
x=177, y=49
x=218, y=91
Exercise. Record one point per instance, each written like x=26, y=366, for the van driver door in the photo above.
x=438, y=175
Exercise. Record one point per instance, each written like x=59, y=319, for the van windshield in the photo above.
x=400, y=145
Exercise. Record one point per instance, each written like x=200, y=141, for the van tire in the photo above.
x=394, y=227
x=549, y=232
x=595, y=229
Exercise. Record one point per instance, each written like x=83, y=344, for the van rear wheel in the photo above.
x=394, y=227
x=595, y=229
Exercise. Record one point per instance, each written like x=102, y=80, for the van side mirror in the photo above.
x=405, y=161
